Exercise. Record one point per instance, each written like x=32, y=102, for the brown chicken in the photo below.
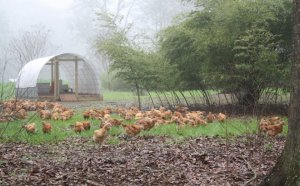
x=100, y=134
x=129, y=116
x=66, y=115
x=86, y=114
x=86, y=125
x=22, y=114
x=167, y=114
x=107, y=111
x=55, y=116
x=177, y=114
x=107, y=117
x=221, y=117
x=97, y=113
x=263, y=124
x=45, y=114
x=192, y=122
x=115, y=122
x=274, y=119
x=139, y=115
x=162, y=122
x=58, y=109
x=133, y=130
x=120, y=111
x=200, y=121
x=177, y=119
x=156, y=113
x=147, y=123
x=192, y=115
x=78, y=127
x=46, y=127
x=181, y=109
x=26, y=105
x=8, y=110
x=30, y=128
x=275, y=129
x=210, y=117
x=43, y=105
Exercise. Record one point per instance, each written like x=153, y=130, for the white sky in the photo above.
x=55, y=15
x=56, y=4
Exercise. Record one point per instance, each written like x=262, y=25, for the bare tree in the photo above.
x=29, y=45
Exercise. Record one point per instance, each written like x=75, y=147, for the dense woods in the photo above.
x=237, y=47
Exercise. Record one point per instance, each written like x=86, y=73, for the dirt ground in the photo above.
x=140, y=161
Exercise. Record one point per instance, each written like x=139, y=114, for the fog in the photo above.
x=71, y=23
x=20, y=15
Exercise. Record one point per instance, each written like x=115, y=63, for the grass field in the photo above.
x=7, y=91
x=119, y=96
x=62, y=130
x=165, y=97
x=216, y=97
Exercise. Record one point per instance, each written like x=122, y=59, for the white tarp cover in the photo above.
x=29, y=74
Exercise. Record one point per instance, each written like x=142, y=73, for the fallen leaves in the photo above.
x=142, y=161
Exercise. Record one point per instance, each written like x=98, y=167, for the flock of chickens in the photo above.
x=272, y=126
x=17, y=109
x=144, y=120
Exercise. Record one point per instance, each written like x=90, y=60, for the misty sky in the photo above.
x=56, y=15
x=70, y=21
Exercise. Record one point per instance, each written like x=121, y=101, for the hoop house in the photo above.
x=65, y=77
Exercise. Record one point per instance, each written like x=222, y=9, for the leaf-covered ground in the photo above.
x=139, y=161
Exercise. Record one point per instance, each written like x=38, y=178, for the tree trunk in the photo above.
x=139, y=95
x=287, y=168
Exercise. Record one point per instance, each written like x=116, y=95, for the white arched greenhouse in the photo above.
x=63, y=77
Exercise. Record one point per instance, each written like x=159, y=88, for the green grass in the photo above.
x=234, y=127
x=62, y=130
x=118, y=96
x=128, y=96
x=7, y=91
